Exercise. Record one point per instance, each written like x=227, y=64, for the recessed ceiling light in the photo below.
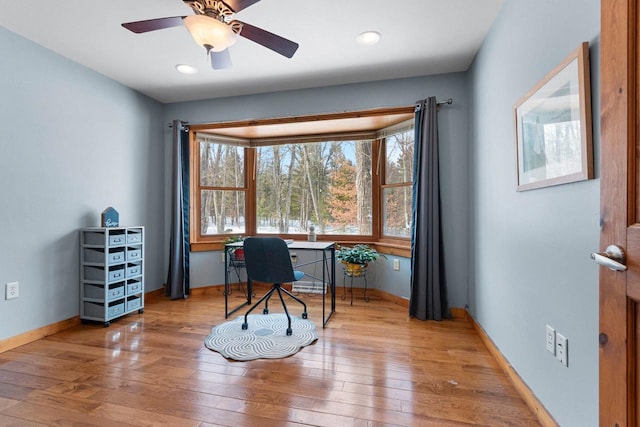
x=369, y=38
x=186, y=69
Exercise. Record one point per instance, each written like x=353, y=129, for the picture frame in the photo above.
x=553, y=126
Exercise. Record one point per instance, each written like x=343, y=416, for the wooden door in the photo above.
x=620, y=212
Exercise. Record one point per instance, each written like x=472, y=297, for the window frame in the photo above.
x=313, y=130
x=207, y=187
x=398, y=240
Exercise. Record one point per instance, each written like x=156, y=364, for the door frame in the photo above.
x=618, y=206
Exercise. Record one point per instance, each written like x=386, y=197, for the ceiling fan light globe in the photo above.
x=210, y=33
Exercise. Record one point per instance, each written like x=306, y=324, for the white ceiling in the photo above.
x=419, y=37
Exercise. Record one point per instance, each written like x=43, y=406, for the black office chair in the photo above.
x=267, y=259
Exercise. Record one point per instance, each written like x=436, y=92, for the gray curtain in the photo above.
x=178, y=276
x=428, y=285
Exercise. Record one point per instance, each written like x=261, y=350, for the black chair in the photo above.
x=267, y=259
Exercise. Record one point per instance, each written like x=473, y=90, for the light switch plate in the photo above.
x=551, y=340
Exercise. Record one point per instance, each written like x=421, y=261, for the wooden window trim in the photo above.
x=389, y=245
x=392, y=241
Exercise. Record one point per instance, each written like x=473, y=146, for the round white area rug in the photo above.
x=266, y=337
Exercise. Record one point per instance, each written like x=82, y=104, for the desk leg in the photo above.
x=332, y=284
x=226, y=283
x=227, y=288
x=333, y=279
x=324, y=287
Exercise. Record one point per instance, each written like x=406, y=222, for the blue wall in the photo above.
x=453, y=130
x=530, y=249
x=73, y=143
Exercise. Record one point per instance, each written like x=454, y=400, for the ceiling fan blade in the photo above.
x=269, y=40
x=220, y=60
x=153, y=24
x=238, y=5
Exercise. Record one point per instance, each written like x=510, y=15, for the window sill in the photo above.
x=384, y=248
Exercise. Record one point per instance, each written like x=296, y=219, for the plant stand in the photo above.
x=358, y=272
x=236, y=264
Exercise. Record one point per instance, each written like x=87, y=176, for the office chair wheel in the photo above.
x=304, y=315
x=245, y=326
x=289, y=331
x=265, y=311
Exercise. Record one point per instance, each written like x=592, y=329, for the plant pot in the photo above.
x=354, y=270
x=238, y=254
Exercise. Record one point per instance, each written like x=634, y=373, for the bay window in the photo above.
x=349, y=175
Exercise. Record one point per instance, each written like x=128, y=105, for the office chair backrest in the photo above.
x=267, y=259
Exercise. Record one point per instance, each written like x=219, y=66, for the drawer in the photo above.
x=115, y=291
x=100, y=311
x=115, y=309
x=133, y=303
x=97, y=274
x=116, y=273
x=116, y=256
x=117, y=239
x=134, y=287
x=134, y=236
x=97, y=255
x=134, y=269
x=134, y=253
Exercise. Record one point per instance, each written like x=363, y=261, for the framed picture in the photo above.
x=553, y=126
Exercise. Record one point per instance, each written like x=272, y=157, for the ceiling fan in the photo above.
x=214, y=28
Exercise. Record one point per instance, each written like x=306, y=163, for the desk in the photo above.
x=328, y=250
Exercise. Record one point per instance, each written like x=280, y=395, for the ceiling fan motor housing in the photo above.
x=213, y=8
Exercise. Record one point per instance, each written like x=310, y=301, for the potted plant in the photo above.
x=357, y=258
x=236, y=253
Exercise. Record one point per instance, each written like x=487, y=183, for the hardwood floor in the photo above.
x=371, y=366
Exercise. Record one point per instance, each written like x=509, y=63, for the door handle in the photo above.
x=613, y=258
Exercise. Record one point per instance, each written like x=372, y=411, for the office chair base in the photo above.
x=276, y=288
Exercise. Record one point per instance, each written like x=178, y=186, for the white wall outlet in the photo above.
x=11, y=290
x=222, y=256
x=551, y=340
x=396, y=264
x=562, y=349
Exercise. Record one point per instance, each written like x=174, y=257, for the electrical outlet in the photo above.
x=396, y=264
x=551, y=340
x=562, y=349
x=222, y=256
x=294, y=258
x=11, y=290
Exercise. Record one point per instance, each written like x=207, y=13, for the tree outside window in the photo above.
x=397, y=186
x=222, y=188
x=325, y=184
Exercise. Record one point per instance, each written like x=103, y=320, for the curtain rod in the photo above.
x=447, y=101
